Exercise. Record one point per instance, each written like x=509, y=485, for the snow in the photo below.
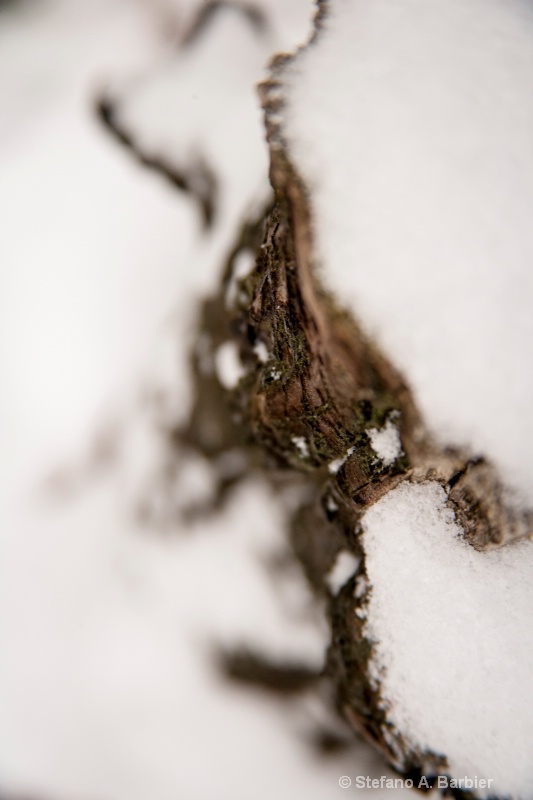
x=301, y=445
x=36, y=71
x=242, y=267
x=342, y=570
x=261, y=351
x=335, y=465
x=228, y=365
x=411, y=122
x=386, y=442
x=79, y=308
x=453, y=642
x=106, y=684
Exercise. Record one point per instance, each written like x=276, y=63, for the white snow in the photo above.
x=228, y=365
x=242, y=267
x=301, y=445
x=411, y=122
x=331, y=504
x=261, y=351
x=386, y=442
x=453, y=637
x=36, y=72
x=342, y=570
x=335, y=465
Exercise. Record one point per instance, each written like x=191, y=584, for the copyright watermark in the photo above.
x=439, y=782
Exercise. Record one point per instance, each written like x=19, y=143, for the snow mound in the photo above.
x=453, y=642
x=411, y=124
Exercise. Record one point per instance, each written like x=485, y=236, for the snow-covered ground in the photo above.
x=108, y=689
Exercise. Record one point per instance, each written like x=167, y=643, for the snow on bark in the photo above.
x=386, y=442
x=402, y=161
x=411, y=124
x=453, y=645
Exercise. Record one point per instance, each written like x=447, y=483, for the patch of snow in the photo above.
x=386, y=442
x=242, y=267
x=335, y=465
x=411, y=123
x=453, y=638
x=301, y=445
x=342, y=570
x=261, y=351
x=228, y=365
x=361, y=586
x=331, y=504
